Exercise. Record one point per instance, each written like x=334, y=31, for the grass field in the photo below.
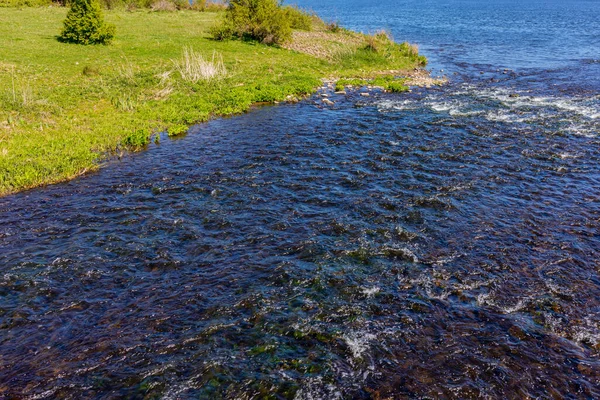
x=65, y=107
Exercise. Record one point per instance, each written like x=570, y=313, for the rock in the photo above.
x=365, y=94
x=518, y=333
x=585, y=369
x=341, y=92
x=513, y=95
x=399, y=253
x=324, y=95
x=328, y=102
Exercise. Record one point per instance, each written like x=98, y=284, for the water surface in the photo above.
x=438, y=244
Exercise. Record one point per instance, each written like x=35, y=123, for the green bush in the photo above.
x=222, y=31
x=85, y=24
x=298, y=18
x=159, y=5
x=263, y=20
x=25, y=3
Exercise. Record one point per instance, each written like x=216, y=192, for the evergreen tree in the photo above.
x=85, y=24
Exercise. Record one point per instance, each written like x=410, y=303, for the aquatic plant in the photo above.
x=177, y=130
x=387, y=82
x=137, y=138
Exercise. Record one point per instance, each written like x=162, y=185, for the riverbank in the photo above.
x=64, y=108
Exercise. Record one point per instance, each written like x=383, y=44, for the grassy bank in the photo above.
x=64, y=107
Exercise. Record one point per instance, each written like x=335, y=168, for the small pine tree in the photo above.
x=85, y=24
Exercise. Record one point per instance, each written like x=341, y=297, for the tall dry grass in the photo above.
x=193, y=67
x=19, y=94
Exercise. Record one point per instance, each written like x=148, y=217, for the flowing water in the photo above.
x=443, y=243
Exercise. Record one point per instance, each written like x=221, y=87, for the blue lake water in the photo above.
x=539, y=34
x=443, y=243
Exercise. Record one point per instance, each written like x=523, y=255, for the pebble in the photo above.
x=328, y=102
x=365, y=94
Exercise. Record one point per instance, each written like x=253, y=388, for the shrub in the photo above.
x=372, y=44
x=129, y=5
x=298, y=18
x=222, y=31
x=163, y=5
x=334, y=27
x=85, y=24
x=262, y=20
x=213, y=6
x=24, y=3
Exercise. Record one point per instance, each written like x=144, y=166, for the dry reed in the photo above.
x=193, y=67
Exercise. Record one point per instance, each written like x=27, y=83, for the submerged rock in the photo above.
x=401, y=253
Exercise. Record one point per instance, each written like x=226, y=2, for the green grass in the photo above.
x=389, y=83
x=65, y=107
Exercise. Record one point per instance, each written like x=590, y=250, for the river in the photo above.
x=443, y=243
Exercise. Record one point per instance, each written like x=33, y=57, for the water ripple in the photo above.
x=437, y=243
